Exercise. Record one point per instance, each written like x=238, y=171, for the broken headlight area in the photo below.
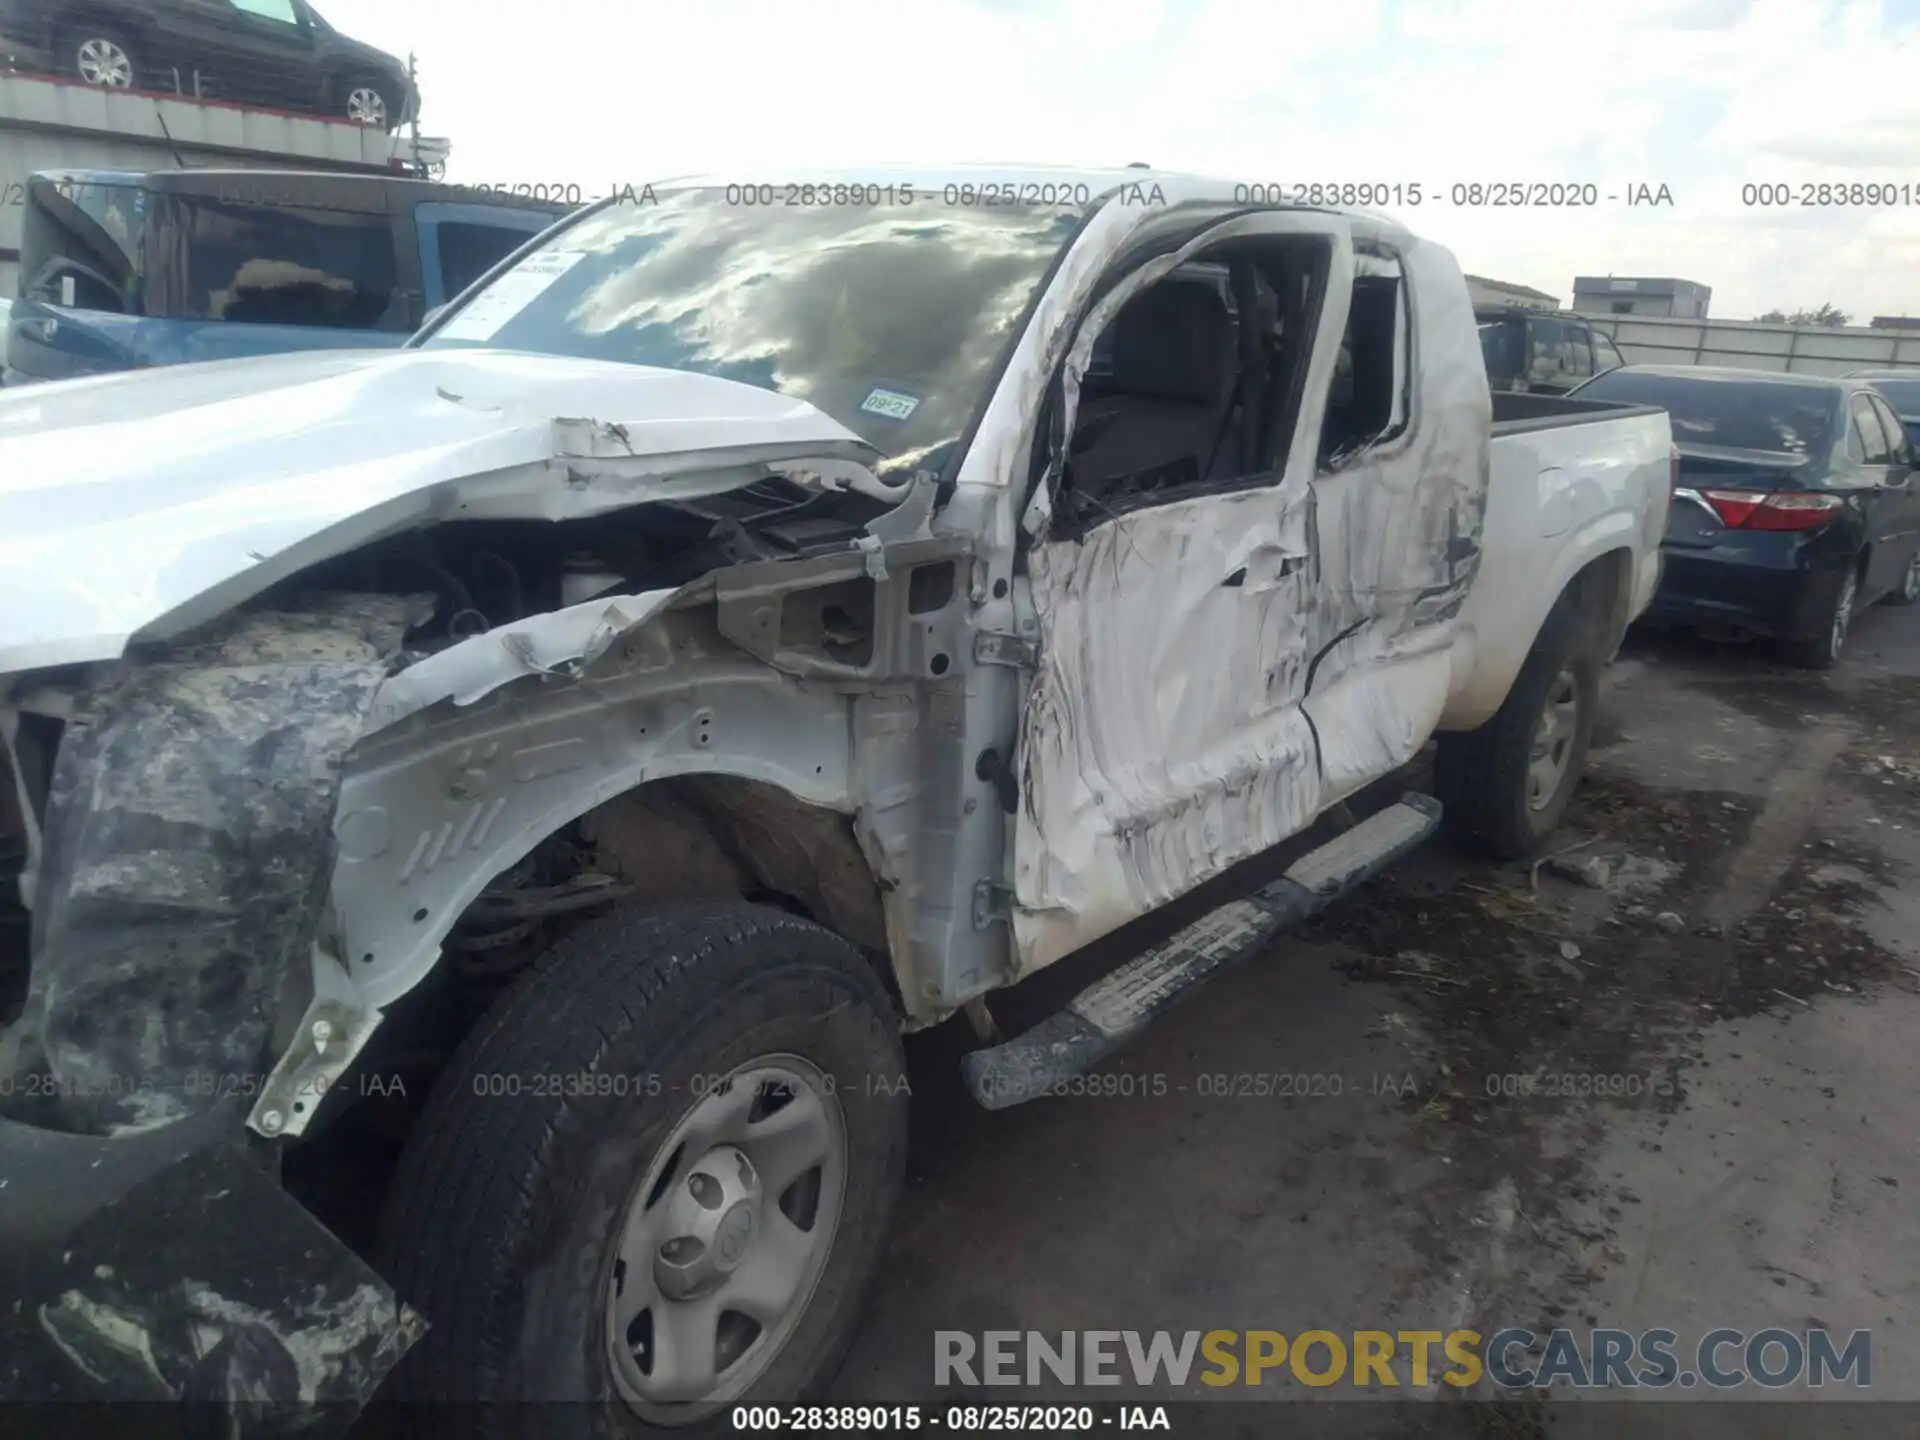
x=175, y=860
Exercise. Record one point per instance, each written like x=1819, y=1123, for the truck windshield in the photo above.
x=1771, y=415
x=273, y=264
x=889, y=317
x=129, y=249
x=80, y=243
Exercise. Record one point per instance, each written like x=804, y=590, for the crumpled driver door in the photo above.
x=1163, y=737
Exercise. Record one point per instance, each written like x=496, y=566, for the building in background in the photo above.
x=1485, y=292
x=1894, y=322
x=1640, y=295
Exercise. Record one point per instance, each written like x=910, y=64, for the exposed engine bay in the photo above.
x=442, y=586
x=483, y=574
x=166, y=830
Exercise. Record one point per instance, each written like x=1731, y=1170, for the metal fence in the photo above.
x=1753, y=345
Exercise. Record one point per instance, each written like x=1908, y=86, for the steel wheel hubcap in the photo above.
x=1553, y=741
x=725, y=1239
x=367, y=107
x=1842, y=616
x=101, y=62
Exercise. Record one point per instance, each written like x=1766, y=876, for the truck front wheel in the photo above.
x=656, y=1179
x=1505, y=786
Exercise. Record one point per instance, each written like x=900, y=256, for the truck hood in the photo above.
x=135, y=506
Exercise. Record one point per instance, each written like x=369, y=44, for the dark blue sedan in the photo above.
x=1794, y=504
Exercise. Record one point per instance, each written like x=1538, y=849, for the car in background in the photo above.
x=276, y=53
x=1794, y=504
x=1542, y=352
x=121, y=270
x=1902, y=391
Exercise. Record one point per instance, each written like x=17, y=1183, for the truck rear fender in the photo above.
x=1598, y=559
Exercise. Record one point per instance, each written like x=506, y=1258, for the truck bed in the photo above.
x=51, y=123
x=1514, y=414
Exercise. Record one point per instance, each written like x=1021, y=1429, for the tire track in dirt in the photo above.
x=1757, y=867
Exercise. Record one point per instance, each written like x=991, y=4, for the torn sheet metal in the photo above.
x=193, y=492
x=680, y=458
x=188, y=848
x=169, y=1266
x=558, y=644
x=335, y=1028
x=561, y=644
x=1189, y=650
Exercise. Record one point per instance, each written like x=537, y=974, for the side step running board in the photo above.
x=1114, y=1009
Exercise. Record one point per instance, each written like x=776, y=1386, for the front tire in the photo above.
x=1504, y=787
x=657, y=1179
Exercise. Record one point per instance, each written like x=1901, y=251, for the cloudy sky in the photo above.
x=1702, y=96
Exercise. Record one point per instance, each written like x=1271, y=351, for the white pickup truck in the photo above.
x=744, y=628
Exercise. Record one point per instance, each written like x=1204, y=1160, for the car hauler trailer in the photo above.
x=49, y=124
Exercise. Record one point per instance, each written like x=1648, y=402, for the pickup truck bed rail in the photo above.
x=1515, y=414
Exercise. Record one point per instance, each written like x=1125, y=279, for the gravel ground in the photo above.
x=1722, y=1038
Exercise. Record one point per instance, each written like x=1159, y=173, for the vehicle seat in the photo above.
x=1158, y=417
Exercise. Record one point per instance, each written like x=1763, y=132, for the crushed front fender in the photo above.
x=147, y=1248
x=188, y=852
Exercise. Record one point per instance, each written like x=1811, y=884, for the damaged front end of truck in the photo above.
x=188, y=964
x=170, y=822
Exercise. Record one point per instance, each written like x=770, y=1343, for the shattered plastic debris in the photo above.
x=201, y=1280
x=1593, y=871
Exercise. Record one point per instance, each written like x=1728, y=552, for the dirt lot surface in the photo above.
x=1669, y=1079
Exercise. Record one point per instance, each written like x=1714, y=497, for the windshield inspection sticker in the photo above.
x=489, y=312
x=890, y=403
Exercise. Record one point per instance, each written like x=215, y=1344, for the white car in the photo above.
x=736, y=634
